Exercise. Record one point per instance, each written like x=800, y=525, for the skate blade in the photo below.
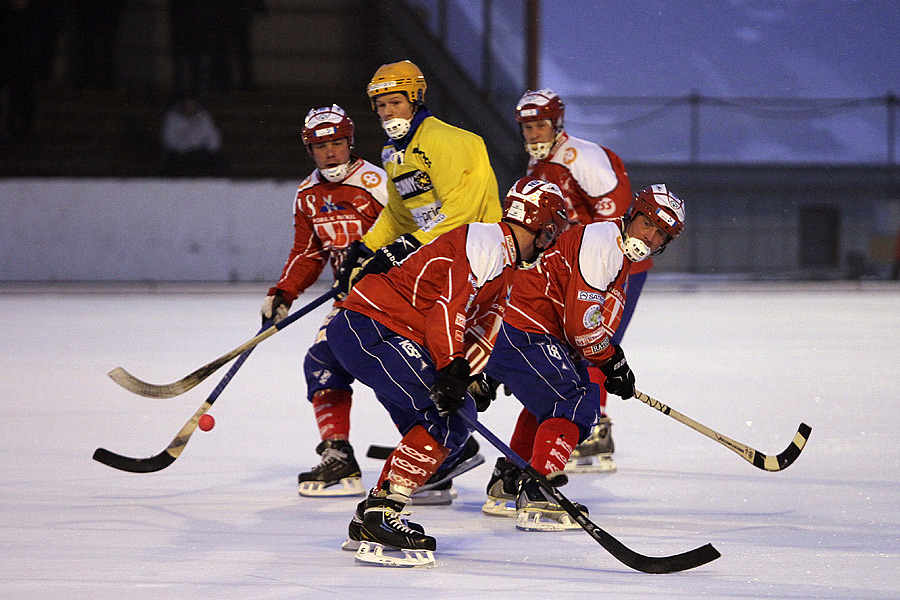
x=497, y=507
x=528, y=520
x=350, y=545
x=377, y=555
x=463, y=467
x=591, y=464
x=349, y=486
x=433, y=497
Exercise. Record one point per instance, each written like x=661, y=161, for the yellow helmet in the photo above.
x=403, y=76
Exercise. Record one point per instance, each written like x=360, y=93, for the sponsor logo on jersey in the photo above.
x=409, y=185
x=509, y=245
x=426, y=217
x=597, y=348
x=605, y=207
x=593, y=317
x=328, y=205
x=425, y=159
x=618, y=295
x=570, y=155
x=590, y=296
x=589, y=338
x=370, y=179
x=473, y=281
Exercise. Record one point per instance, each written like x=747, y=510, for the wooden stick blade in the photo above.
x=152, y=390
x=785, y=459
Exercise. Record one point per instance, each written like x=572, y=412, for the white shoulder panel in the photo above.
x=485, y=251
x=371, y=178
x=311, y=180
x=600, y=257
x=588, y=164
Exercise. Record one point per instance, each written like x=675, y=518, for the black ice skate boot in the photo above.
x=502, y=490
x=536, y=512
x=354, y=529
x=594, y=454
x=386, y=539
x=337, y=475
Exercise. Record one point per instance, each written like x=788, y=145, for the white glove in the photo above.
x=275, y=308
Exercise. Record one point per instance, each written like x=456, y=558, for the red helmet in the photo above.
x=538, y=206
x=662, y=207
x=326, y=124
x=540, y=105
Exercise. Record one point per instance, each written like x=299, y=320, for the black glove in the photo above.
x=619, y=378
x=449, y=391
x=483, y=389
x=348, y=272
x=389, y=256
x=274, y=308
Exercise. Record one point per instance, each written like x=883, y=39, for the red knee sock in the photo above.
x=599, y=378
x=553, y=444
x=332, y=409
x=413, y=461
x=522, y=441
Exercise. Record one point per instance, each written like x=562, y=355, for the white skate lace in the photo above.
x=395, y=521
x=329, y=457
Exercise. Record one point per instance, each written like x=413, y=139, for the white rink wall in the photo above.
x=144, y=230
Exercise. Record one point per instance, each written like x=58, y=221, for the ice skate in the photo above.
x=594, y=455
x=354, y=529
x=438, y=494
x=386, y=540
x=502, y=490
x=536, y=512
x=337, y=475
x=439, y=491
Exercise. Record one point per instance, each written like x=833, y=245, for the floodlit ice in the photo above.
x=225, y=521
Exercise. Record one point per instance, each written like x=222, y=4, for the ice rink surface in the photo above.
x=225, y=521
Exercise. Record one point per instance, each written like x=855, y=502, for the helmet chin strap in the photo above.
x=635, y=250
x=336, y=174
x=396, y=128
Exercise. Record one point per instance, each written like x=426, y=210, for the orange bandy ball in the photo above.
x=206, y=422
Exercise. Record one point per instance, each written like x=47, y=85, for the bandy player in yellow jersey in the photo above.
x=439, y=177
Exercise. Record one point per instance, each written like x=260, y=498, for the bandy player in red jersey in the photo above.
x=595, y=185
x=560, y=319
x=335, y=205
x=416, y=335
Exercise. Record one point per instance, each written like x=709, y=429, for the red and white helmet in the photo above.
x=662, y=207
x=539, y=105
x=326, y=124
x=539, y=207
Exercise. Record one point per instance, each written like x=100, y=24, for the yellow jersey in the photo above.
x=443, y=179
